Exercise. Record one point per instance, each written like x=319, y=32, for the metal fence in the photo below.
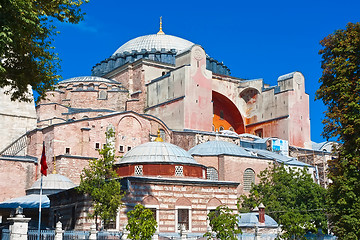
x=108, y=235
x=251, y=236
x=5, y=234
x=320, y=236
x=75, y=235
x=44, y=234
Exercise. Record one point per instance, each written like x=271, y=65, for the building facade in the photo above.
x=162, y=83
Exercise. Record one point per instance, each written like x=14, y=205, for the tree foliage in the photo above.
x=340, y=92
x=101, y=182
x=291, y=197
x=26, y=53
x=224, y=223
x=141, y=223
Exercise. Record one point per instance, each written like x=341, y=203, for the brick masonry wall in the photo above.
x=169, y=197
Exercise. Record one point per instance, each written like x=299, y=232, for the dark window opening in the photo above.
x=259, y=133
x=73, y=217
x=129, y=148
x=110, y=225
x=183, y=218
x=67, y=150
x=97, y=146
x=121, y=148
x=154, y=212
x=221, y=114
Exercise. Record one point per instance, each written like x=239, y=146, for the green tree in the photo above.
x=223, y=223
x=291, y=197
x=26, y=53
x=340, y=92
x=101, y=182
x=141, y=223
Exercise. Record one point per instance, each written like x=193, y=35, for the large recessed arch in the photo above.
x=226, y=114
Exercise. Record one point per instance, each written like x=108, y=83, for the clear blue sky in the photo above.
x=255, y=39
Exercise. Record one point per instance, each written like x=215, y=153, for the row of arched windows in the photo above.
x=248, y=177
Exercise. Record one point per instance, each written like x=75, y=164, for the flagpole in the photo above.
x=42, y=172
x=41, y=181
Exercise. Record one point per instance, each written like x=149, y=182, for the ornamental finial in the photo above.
x=158, y=139
x=160, y=31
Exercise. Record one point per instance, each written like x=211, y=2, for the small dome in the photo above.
x=215, y=148
x=87, y=79
x=252, y=219
x=157, y=41
x=157, y=152
x=52, y=183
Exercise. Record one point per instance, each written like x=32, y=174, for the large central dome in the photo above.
x=156, y=41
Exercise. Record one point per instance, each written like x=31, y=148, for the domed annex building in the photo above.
x=166, y=179
x=218, y=132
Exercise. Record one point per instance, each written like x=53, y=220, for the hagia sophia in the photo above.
x=189, y=136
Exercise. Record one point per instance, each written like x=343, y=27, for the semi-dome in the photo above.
x=155, y=41
x=88, y=79
x=52, y=183
x=157, y=152
x=216, y=148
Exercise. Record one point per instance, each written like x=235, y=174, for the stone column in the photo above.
x=18, y=227
x=155, y=236
x=125, y=234
x=58, y=231
x=92, y=232
x=183, y=232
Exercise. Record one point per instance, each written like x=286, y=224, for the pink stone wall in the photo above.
x=232, y=168
x=82, y=137
x=15, y=177
x=198, y=109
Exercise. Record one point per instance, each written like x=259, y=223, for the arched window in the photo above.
x=102, y=94
x=221, y=128
x=162, y=134
x=212, y=173
x=80, y=86
x=249, y=179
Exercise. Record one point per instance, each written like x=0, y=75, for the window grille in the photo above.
x=179, y=171
x=212, y=174
x=249, y=178
x=139, y=170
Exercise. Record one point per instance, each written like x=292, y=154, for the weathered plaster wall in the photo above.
x=16, y=118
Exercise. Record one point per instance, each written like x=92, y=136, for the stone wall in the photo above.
x=167, y=197
x=16, y=118
x=16, y=175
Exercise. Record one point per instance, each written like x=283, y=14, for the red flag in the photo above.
x=43, y=162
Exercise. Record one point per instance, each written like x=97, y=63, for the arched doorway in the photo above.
x=226, y=115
